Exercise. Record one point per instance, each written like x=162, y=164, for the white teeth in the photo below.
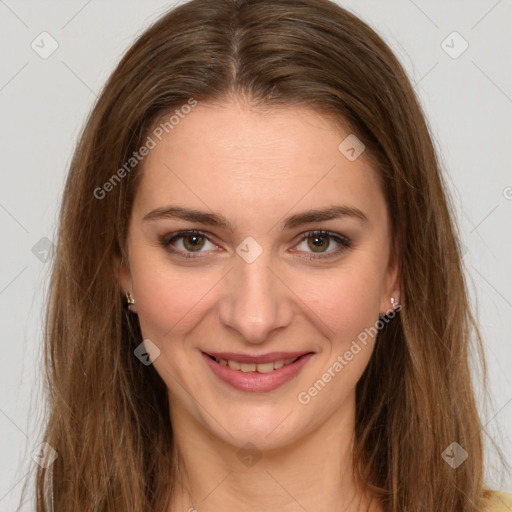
x=265, y=367
x=234, y=365
x=251, y=367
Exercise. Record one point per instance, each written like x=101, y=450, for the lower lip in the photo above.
x=254, y=381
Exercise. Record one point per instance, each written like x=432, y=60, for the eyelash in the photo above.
x=344, y=243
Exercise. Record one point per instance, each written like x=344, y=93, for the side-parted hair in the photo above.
x=108, y=414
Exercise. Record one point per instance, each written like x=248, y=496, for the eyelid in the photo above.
x=343, y=241
x=183, y=233
x=166, y=241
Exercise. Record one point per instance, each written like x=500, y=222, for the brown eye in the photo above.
x=318, y=243
x=323, y=244
x=189, y=244
x=193, y=242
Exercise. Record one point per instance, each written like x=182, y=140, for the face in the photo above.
x=255, y=240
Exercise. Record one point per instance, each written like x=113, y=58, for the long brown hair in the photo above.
x=108, y=414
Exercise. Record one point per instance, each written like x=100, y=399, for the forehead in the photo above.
x=231, y=155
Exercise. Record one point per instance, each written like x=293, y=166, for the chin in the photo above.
x=262, y=434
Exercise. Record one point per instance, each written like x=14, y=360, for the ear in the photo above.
x=123, y=273
x=391, y=287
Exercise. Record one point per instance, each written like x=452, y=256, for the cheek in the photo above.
x=170, y=304
x=348, y=303
x=346, y=300
x=168, y=299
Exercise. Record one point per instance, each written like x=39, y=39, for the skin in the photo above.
x=256, y=169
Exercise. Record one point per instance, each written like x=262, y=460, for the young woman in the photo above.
x=257, y=301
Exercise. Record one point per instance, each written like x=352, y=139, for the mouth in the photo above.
x=257, y=374
x=253, y=367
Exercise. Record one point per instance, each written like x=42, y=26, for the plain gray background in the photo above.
x=467, y=97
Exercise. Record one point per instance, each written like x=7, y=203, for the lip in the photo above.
x=253, y=381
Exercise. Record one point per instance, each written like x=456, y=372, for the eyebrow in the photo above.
x=213, y=219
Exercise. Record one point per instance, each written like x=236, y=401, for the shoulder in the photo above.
x=500, y=502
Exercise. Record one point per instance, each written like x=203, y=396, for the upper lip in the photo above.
x=264, y=358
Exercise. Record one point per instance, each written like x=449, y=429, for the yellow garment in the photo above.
x=501, y=502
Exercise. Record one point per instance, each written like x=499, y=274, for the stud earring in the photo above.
x=130, y=301
x=394, y=303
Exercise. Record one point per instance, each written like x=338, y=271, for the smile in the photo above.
x=262, y=374
x=251, y=367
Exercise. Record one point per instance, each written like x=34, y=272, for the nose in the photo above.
x=255, y=302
